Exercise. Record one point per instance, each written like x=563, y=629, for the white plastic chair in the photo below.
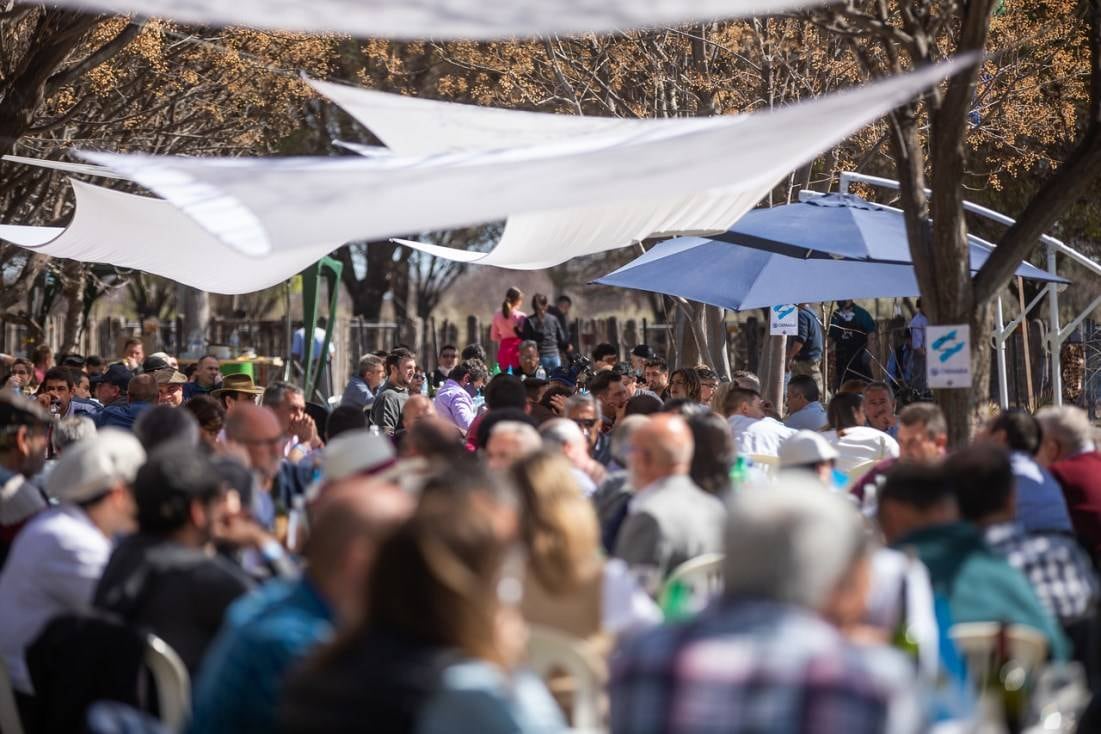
x=702, y=577
x=857, y=473
x=172, y=682
x=977, y=642
x=767, y=463
x=550, y=652
x=10, y=723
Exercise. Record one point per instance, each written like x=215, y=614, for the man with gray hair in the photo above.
x=361, y=389
x=288, y=402
x=58, y=558
x=1068, y=451
x=566, y=436
x=670, y=520
x=614, y=495
x=770, y=654
x=510, y=441
x=70, y=430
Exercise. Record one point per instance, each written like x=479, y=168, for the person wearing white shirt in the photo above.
x=857, y=444
x=57, y=560
x=752, y=431
x=805, y=411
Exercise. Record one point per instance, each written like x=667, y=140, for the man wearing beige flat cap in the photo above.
x=170, y=387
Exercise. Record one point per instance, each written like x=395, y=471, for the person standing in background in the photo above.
x=918, y=324
x=547, y=332
x=505, y=331
x=853, y=332
x=805, y=348
x=561, y=311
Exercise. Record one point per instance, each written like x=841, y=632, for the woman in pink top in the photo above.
x=506, y=330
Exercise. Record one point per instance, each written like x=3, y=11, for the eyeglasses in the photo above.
x=586, y=423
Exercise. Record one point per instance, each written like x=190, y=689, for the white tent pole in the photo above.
x=999, y=343
x=1053, y=336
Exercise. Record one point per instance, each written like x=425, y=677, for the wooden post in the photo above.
x=1027, y=351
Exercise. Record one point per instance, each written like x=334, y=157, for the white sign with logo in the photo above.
x=784, y=321
x=948, y=359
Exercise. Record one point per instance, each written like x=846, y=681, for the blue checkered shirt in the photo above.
x=1055, y=565
x=747, y=666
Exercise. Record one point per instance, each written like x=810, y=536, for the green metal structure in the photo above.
x=330, y=270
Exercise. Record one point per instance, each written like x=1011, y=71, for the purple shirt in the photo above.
x=454, y=403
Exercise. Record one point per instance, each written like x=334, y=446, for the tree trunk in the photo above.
x=772, y=371
x=194, y=305
x=73, y=276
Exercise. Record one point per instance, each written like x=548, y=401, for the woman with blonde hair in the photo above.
x=505, y=330
x=569, y=585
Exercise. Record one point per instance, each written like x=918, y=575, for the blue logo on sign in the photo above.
x=783, y=311
x=946, y=348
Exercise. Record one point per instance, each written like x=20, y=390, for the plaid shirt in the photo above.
x=1055, y=565
x=756, y=666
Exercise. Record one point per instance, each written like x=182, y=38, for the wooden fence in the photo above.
x=354, y=337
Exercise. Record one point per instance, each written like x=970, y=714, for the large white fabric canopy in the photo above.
x=153, y=236
x=444, y=19
x=653, y=169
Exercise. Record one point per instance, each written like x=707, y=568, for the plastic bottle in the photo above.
x=739, y=473
x=675, y=601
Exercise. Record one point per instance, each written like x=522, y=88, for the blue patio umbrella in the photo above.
x=833, y=225
x=711, y=271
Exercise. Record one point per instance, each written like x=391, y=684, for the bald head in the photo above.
x=249, y=421
x=416, y=408
x=258, y=431
x=661, y=448
x=351, y=520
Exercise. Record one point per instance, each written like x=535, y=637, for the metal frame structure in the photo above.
x=1057, y=335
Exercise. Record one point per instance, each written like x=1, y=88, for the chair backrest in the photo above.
x=551, y=652
x=857, y=473
x=10, y=723
x=172, y=682
x=977, y=642
x=766, y=461
x=692, y=585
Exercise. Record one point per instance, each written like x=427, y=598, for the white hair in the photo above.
x=621, y=435
x=1069, y=426
x=792, y=543
x=70, y=430
x=559, y=432
x=527, y=436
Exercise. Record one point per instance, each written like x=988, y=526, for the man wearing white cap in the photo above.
x=809, y=451
x=58, y=558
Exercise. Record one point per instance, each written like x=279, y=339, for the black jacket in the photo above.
x=179, y=594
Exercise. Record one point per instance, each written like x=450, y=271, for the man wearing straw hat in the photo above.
x=237, y=390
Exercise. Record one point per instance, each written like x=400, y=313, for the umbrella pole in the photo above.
x=1024, y=342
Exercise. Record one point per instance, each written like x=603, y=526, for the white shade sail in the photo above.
x=151, y=235
x=443, y=19
x=262, y=206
